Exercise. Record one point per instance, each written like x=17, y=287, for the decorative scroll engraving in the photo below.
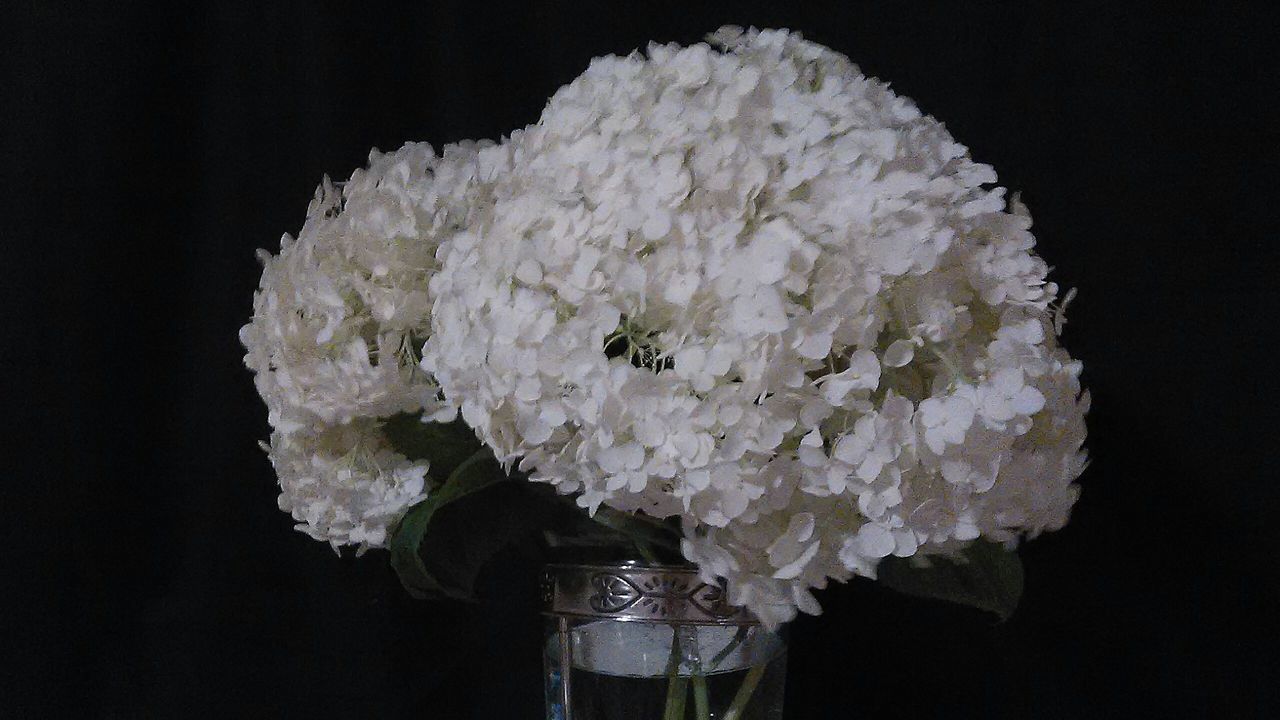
x=712, y=600
x=613, y=593
x=636, y=592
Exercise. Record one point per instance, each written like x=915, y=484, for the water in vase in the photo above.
x=649, y=671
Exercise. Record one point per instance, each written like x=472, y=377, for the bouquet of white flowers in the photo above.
x=735, y=301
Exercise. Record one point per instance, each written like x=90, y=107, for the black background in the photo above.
x=148, y=150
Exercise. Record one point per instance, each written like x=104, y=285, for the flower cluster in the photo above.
x=740, y=284
x=339, y=320
x=754, y=289
x=343, y=483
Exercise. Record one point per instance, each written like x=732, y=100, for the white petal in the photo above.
x=899, y=353
x=793, y=569
x=875, y=540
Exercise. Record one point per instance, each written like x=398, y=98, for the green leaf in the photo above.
x=610, y=528
x=445, y=445
x=639, y=528
x=465, y=536
x=988, y=578
x=471, y=476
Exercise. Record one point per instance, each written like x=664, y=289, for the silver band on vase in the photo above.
x=637, y=592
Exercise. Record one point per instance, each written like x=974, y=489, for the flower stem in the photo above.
x=677, y=687
x=676, y=693
x=738, y=637
x=744, y=693
x=700, y=700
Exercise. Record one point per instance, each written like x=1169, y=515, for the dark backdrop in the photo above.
x=147, y=150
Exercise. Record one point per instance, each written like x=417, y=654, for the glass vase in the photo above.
x=642, y=642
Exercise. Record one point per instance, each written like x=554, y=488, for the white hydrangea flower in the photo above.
x=757, y=290
x=343, y=484
x=338, y=321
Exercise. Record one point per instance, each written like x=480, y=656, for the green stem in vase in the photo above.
x=738, y=637
x=677, y=687
x=744, y=693
x=677, y=691
x=700, y=700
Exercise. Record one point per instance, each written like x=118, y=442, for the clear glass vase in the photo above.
x=640, y=642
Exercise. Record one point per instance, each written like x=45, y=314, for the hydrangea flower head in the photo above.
x=744, y=284
x=339, y=318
